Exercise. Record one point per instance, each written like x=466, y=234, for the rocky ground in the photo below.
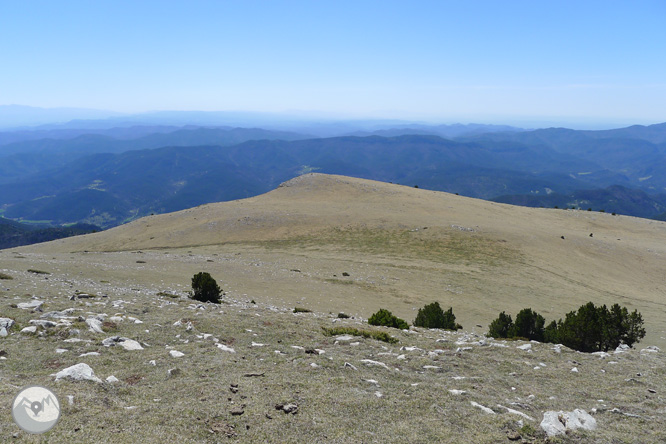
x=163, y=367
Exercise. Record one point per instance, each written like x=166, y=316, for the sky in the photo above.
x=591, y=62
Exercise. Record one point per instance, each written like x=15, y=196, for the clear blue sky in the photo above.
x=484, y=61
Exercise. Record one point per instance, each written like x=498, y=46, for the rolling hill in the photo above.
x=405, y=246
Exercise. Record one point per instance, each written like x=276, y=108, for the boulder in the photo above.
x=558, y=423
x=78, y=372
x=6, y=323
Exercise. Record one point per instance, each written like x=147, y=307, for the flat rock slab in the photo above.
x=32, y=305
x=126, y=343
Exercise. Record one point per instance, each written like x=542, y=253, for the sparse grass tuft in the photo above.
x=378, y=335
x=302, y=310
x=32, y=270
x=5, y=277
x=343, y=316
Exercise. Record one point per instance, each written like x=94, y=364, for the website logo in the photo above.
x=36, y=409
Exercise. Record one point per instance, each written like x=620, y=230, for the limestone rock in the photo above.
x=6, y=323
x=176, y=354
x=95, y=325
x=557, y=423
x=126, y=343
x=31, y=329
x=32, y=305
x=78, y=372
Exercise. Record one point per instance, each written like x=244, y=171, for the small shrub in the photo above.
x=432, y=316
x=302, y=310
x=385, y=318
x=205, y=289
x=31, y=270
x=501, y=326
x=5, y=277
x=343, y=316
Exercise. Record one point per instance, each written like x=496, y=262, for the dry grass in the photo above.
x=291, y=248
x=336, y=402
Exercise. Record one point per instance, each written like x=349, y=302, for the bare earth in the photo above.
x=399, y=248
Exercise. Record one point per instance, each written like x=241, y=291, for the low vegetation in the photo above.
x=301, y=310
x=589, y=329
x=432, y=316
x=378, y=335
x=387, y=319
x=5, y=277
x=205, y=288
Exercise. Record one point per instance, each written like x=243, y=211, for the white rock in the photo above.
x=515, y=412
x=95, y=325
x=78, y=372
x=378, y=394
x=552, y=425
x=257, y=344
x=116, y=319
x=111, y=379
x=43, y=323
x=89, y=354
x=526, y=347
x=61, y=350
x=314, y=365
x=622, y=348
x=152, y=362
x=31, y=329
x=485, y=409
x=574, y=370
x=557, y=423
x=457, y=392
x=431, y=367
x=176, y=354
x=371, y=363
x=650, y=350
x=401, y=357
x=30, y=305
x=225, y=348
x=3, y=332
x=344, y=338
x=130, y=344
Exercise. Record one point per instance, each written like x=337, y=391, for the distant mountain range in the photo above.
x=106, y=177
x=15, y=234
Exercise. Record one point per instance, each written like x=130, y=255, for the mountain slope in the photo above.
x=405, y=247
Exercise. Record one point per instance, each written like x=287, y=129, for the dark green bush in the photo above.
x=204, y=288
x=529, y=325
x=302, y=310
x=343, y=316
x=432, y=316
x=387, y=319
x=378, y=335
x=501, y=326
x=589, y=329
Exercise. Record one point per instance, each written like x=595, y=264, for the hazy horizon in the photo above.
x=592, y=64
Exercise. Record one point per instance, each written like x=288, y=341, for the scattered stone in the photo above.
x=516, y=412
x=95, y=325
x=233, y=388
x=347, y=364
x=237, y=411
x=225, y=348
x=58, y=314
x=344, y=338
x=89, y=354
x=111, y=379
x=485, y=409
x=287, y=408
x=650, y=349
x=43, y=323
x=78, y=372
x=31, y=329
x=622, y=348
x=371, y=363
x=32, y=305
x=126, y=343
x=457, y=392
x=176, y=354
x=558, y=423
x=526, y=347
x=61, y=350
x=152, y=362
x=174, y=372
x=378, y=394
x=513, y=435
x=257, y=344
